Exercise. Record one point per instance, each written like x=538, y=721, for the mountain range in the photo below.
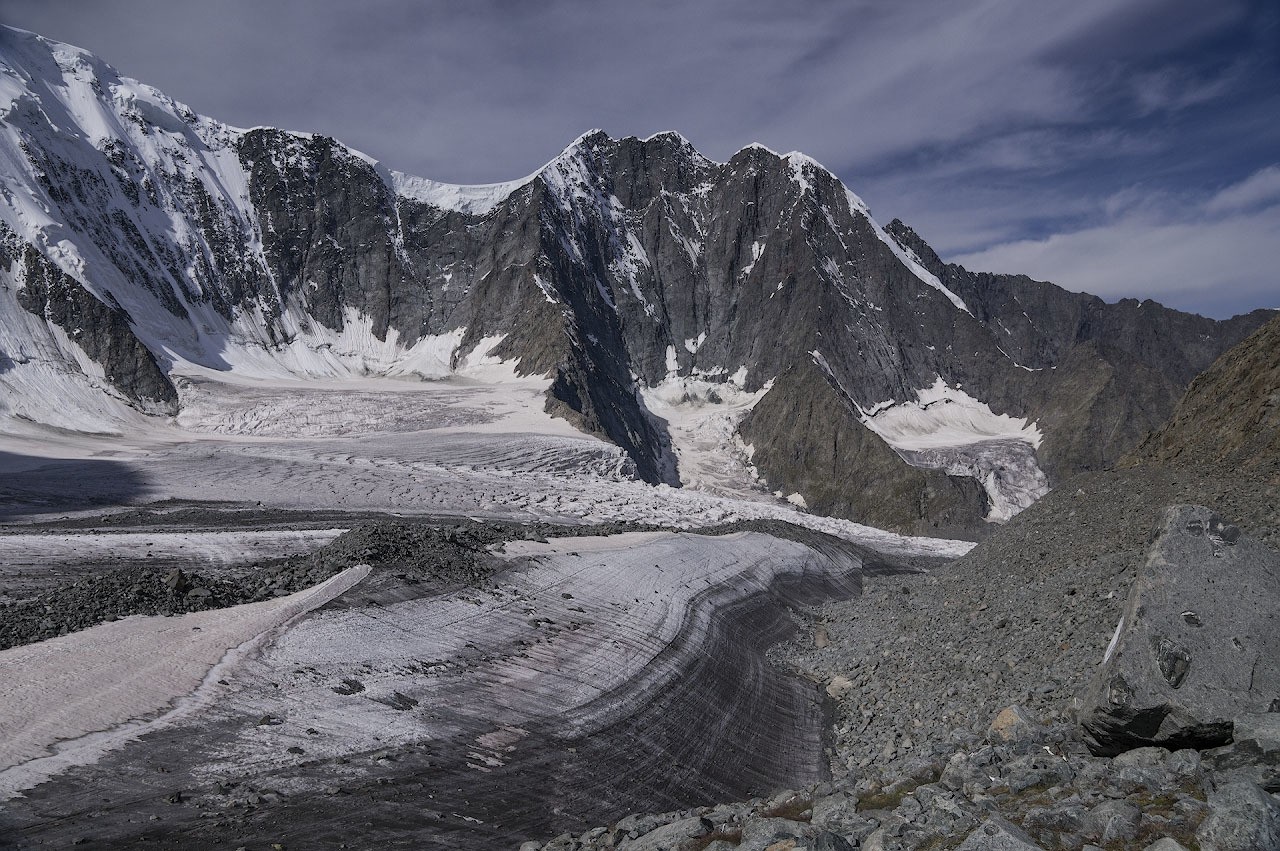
x=853, y=370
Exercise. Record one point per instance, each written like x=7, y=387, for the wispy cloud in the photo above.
x=1219, y=256
x=1262, y=188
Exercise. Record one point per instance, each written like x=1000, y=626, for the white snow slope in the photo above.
x=945, y=428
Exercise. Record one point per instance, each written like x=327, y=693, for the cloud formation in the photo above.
x=1221, y=256
x=985, y=123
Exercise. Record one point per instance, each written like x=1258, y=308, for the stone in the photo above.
x=1176, y=681
x=1242, y=817
x=839, y=813
x=996, y=834
x=759, y=833
x=826, y=841
x=1112, y=821
x=670, y=835
x=1166, y=844
x=1012, y=724
x=839, y=687
x=1254, y=754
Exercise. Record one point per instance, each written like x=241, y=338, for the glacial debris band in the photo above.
x=587, y=678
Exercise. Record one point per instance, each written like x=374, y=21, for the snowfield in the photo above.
x=947, y=429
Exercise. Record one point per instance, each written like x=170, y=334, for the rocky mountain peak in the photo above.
x=623, y=269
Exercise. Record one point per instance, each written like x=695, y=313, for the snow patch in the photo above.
x=942, y=416
x=945, y=428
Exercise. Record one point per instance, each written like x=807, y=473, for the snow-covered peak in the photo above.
x=478, y=199
x=804, y=169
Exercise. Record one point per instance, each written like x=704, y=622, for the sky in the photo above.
x=1129, y=148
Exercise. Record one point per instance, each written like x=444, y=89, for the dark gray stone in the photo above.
x=997, y=834
x=669, y=836
x=1242, y=817
x=1254, y=753
x=1112, y=821
x=1169, y=682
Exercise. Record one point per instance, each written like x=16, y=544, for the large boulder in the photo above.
x=1198, y=643
x=1254, y=753
x=1242, y=817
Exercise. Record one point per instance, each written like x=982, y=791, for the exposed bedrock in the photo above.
x=1198, y=643
x=806, y=438
x=1230, y=414
x=1097, y=376
x=101, y=331
x=594, y=677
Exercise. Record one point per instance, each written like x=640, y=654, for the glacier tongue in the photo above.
x=947, y=429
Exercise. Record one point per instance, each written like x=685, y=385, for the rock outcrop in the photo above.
x=1198, y=642
x=806, y=437
x=1118, y=369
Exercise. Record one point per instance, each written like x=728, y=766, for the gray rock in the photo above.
x=1112, y=821
x=996, y=834
x=760, y=833
x=1197, y=644
x=1148, y=767
x=1254, y=754
x=1242, y=817
x=838, y=813
x=669, y=836
x=1013, y=724
x=563, y=842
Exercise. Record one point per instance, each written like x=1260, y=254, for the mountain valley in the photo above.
x=341, y=507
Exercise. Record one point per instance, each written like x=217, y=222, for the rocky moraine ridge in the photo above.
x=623, y=266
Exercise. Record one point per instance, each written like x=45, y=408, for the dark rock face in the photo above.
x=1230, y=413
x=1254, y=752
x=1198, y=642
x=808, y=439
x=102, y=332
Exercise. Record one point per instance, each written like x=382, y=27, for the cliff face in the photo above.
x=1230, y=414
x=622, y=265
x=1109, y=373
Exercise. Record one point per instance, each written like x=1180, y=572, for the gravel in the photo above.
x=953, y=690
x=421, y=558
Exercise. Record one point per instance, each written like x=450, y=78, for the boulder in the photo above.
x=1112, y=822
x=1012, y=724
x=1242, y=817
x=1166, y=844
x=670, y=835
x=1254, y=753
x=996, y=834
x=1198, y=643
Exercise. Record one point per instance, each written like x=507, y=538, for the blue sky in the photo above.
x=1129, y=148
